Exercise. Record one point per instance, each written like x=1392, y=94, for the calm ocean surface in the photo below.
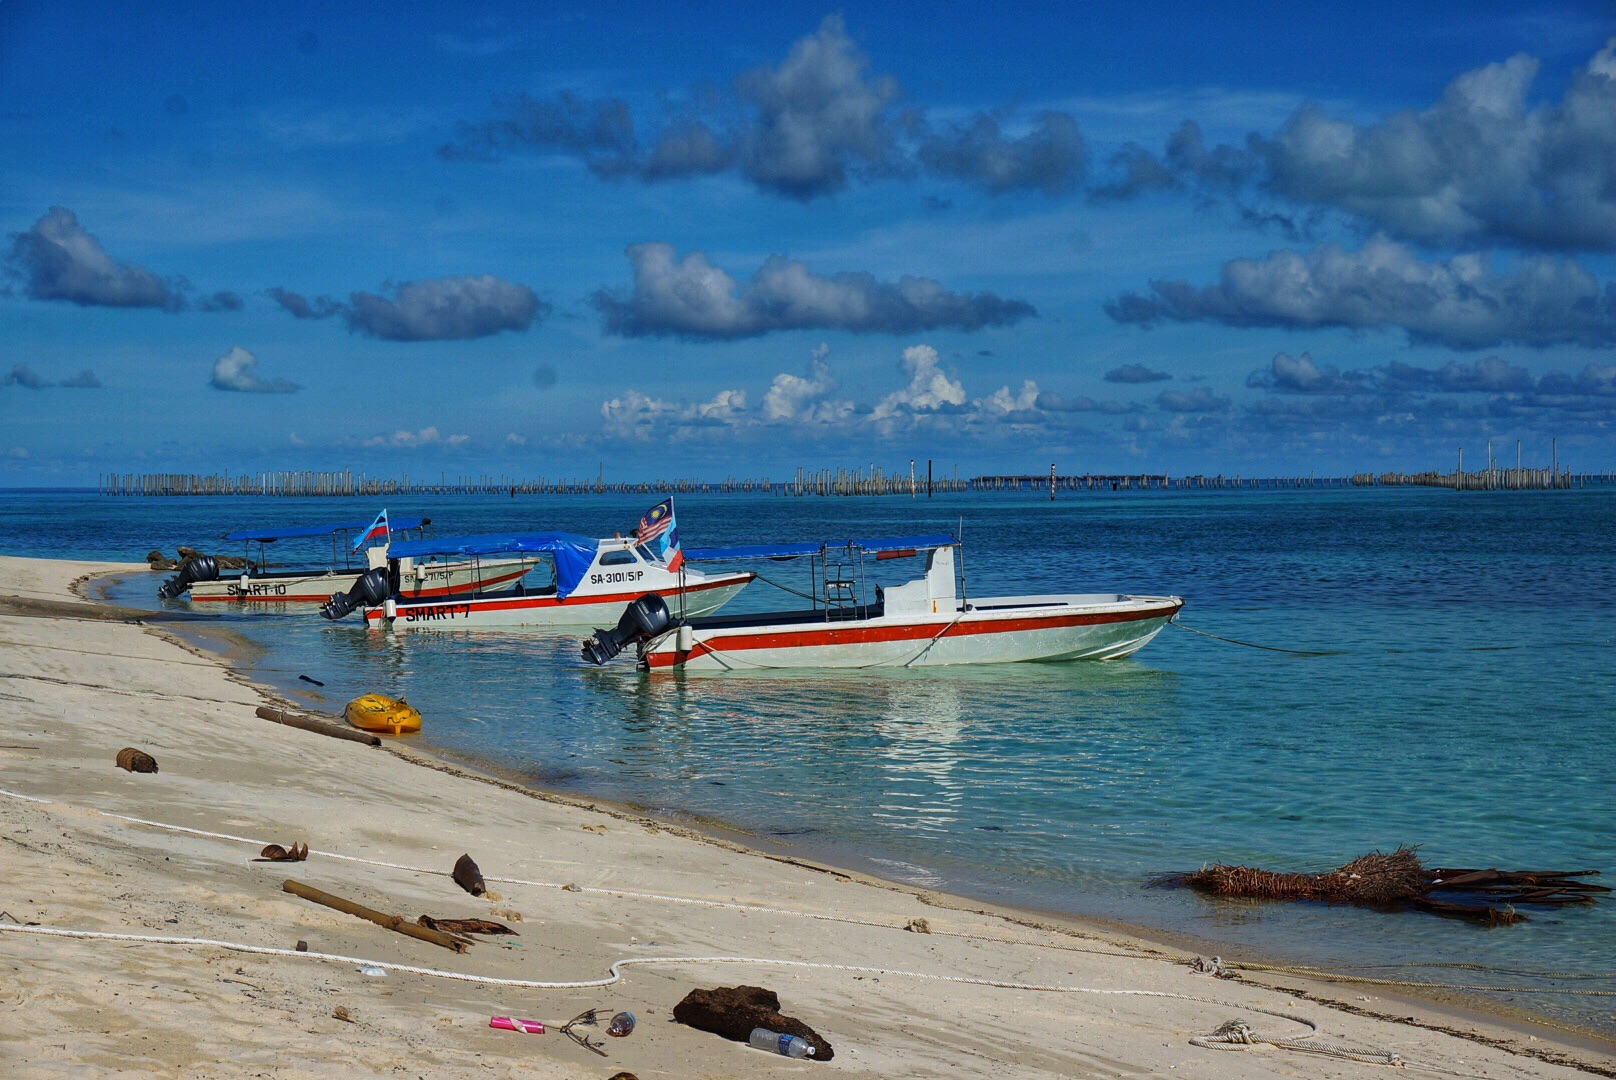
x=1472, y=710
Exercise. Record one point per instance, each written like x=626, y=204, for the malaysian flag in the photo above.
x=377, y=530
x=658, y=532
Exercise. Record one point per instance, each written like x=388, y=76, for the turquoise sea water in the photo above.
x=1471, y=709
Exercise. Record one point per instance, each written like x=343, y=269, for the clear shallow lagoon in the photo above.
x=1472, y=708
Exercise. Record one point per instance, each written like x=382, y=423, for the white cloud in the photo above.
x=427, y=436
x=237, y=370
x=930, y=387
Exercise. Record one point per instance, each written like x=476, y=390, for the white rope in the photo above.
x=617, y=966
x=729, y=905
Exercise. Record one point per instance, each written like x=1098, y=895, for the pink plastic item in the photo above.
x=526, y=1027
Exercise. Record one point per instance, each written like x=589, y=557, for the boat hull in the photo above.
x=995, y=631
x=432, y=580
x=543, y=609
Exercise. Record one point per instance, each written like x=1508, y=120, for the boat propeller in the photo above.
x=371, y=590
x=645, y=618
x=197, y=568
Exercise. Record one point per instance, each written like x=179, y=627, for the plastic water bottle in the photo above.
x=622, y=1024
x=776, y=1043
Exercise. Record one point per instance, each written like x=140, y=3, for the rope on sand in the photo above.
x=1218, y=1039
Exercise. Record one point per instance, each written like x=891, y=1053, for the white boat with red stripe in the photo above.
x=926, y=622
x=580, y=582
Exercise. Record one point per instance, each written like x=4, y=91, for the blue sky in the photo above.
x=701, y=240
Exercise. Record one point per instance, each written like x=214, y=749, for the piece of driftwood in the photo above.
x=136, y=760
x=1397, y=881
x=380, y=918
x=305, y=723
x=464, y=926
x=468, y=877
x=733, y=1011
x=275, y=853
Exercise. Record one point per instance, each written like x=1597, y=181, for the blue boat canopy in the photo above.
x=269, y=536
x=572, y=553
x=796, y=551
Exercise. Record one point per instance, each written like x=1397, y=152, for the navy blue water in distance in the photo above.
x=1470, y=710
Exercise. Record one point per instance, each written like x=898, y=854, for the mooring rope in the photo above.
x=1253, y=645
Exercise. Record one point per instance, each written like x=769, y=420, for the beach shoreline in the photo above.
x=1434, y=1027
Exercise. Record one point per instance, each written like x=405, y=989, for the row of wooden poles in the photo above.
x=346, y=483
x=824, y=482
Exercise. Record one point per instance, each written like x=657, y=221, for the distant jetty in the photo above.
x=872, y=481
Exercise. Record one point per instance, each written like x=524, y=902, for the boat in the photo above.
x=854, y=624
x=257, y=584
x=383, y=715
x=592, y=580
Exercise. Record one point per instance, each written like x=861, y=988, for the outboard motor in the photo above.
x=371, y=590
x=644, y=619
x=199, y=568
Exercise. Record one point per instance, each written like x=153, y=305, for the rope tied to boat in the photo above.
x=1253, y=645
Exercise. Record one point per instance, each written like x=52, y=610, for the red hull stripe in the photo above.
x=911, y=632
x=517, y=603
x=320, y=598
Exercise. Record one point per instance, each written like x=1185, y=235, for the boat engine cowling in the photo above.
x=198, y=568
x=371, y=590
x=642, y=620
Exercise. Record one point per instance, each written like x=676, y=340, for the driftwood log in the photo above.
x=336, y=731
x=733, y=1011
x=1398, y=881
x=380, y=918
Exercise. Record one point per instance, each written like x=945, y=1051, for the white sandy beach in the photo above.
x=74, y=689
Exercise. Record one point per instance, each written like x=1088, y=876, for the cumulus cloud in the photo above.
x=446, y=309
x=798, y=129
x=1482, y=165
x=1199, y=400
x=1492, y=375
x=931, y=399
x=600, y=132
x=302, y=307
x=237, y=370
x=24, y=376
x=1460, y=302
x=408, y=440
x=689, y=297
x=798, y=397
x=58, y=260
x=220, y=301
x=802, y=129
x=1479, y=165
x=930, y=388
x=1050, y=158
x=1286, y=374
x=1049, y=401
x=1135, y=373
x=634, y=415
x=84, y=380
x=818, y=115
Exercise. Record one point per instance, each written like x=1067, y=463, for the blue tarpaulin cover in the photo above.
x=572, y=553
x=793, y=551
x=270, y=535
